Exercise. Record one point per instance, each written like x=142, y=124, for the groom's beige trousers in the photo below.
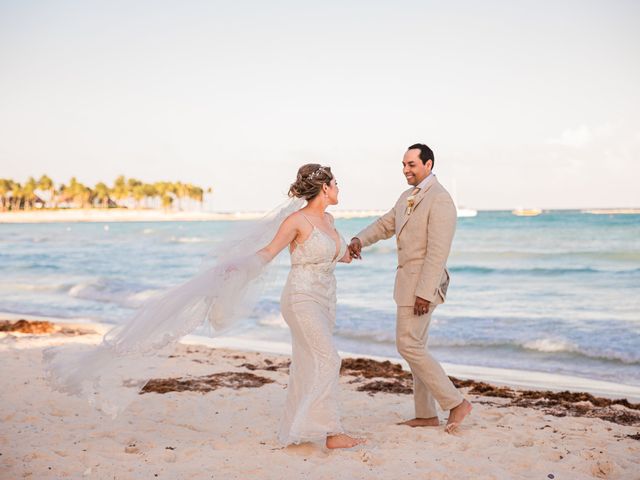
x=430, y=382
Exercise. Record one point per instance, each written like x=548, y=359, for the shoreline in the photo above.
x=96, y=215
x=528, y=379
x=130, y=215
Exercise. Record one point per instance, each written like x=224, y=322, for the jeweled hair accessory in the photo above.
x=317, y=172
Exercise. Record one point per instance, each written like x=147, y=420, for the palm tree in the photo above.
x=14, y=196
x=149, y=192
x=101, y=194
x=167, y=200
x=180, y=189
x=81, y=193
x=196, y=194
x=58, y=196
x=137, y=192
x=29, y=193
x=5, y=188
x=46, y=184
x=76, y=193
x=120, y=190
x=166, y=192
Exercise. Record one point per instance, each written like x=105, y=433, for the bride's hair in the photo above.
x=309, y=181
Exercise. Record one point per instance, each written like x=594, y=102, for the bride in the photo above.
x=111, y=374
x=308, y=306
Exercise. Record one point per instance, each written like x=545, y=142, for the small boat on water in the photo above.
x=462, y=212
x=526, y=212
x=466, y=212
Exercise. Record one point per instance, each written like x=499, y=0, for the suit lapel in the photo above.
x=401, y=216
x=417, y=200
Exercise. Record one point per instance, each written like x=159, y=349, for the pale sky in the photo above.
x=527, y=103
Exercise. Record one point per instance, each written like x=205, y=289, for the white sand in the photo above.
x=232, y=433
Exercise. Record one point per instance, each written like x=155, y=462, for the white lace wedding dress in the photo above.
x=308, y=305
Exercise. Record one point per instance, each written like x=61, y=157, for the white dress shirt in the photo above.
x=426, y=181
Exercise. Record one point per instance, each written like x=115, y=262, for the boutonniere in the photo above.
x=411, y=199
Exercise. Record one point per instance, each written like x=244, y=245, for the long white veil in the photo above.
x=226, y=289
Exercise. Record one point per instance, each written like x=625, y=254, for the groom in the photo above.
x=423, y=221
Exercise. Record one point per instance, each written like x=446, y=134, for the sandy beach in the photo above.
x=214, y=412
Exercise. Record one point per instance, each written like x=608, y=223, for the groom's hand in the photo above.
x=421, y=306
x=355, y=248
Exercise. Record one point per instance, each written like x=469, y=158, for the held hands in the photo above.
x=421, y=306
x=346, y=258
x=355, y=248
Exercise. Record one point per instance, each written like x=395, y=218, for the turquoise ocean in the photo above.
x=557, y=293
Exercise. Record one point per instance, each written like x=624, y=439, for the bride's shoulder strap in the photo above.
x=331, y=219
x=306, y=218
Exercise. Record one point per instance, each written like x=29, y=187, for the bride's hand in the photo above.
x=346, y=258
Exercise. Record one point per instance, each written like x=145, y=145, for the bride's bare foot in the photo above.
x=421, y=422
x=343, y=440
x=457, y=415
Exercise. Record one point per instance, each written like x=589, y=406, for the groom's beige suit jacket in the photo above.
x=423, y=240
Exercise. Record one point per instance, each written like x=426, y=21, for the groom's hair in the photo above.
x=426, y=153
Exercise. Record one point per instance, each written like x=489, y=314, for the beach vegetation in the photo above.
x=123, y=193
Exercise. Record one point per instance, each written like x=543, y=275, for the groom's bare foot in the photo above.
x=342, y=440
x=421, y=422
x=457, y=415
